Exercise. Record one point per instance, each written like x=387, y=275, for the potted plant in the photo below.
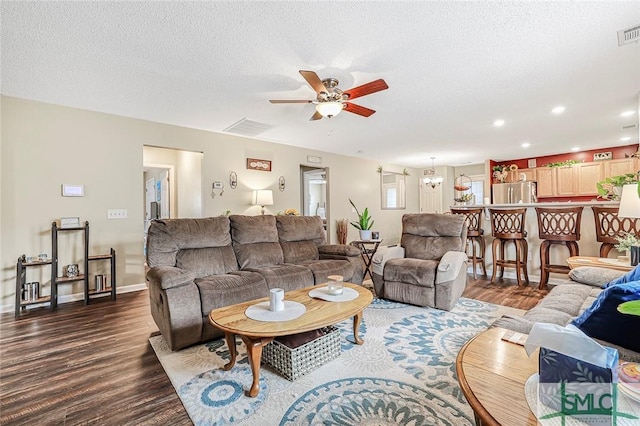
x=611, y=187
x=364, y=222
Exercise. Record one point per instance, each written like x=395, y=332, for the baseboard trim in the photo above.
x=79, y=296
x=512, y=275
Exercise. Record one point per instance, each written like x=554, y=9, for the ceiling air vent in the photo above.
x=247, y=128
x=630, y=35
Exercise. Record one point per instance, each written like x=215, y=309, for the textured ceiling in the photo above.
x=452, y=69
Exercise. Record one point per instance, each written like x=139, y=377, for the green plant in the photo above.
x=626, y=241
x=364, y=222
x=606, y=187
x=563, y=163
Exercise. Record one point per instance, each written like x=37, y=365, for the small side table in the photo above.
x=367, y=253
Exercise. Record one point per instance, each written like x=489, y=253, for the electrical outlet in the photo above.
x=117, y=214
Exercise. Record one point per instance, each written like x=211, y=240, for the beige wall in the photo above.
x=44, y=146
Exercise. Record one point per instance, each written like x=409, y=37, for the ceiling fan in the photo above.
x=331, y=100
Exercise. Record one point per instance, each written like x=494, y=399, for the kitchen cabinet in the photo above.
x=620, y=167
x=546, y=178
x=587, y=176
x=529, y=173
x=565, y=181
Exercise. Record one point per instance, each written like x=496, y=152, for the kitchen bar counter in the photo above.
x=558, y=253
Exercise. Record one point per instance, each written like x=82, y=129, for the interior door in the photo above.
x=431, y=199
x=315, y=193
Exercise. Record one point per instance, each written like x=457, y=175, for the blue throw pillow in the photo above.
x=603, y=321
x=632, y=275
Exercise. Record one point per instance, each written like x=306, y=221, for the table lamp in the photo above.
x=629, y=202
x=263, y=197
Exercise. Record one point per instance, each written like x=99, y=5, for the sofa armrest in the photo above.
x=169, y=277
x=450, y=265
x=382, y=255
x=593, y=275
x=338, y=250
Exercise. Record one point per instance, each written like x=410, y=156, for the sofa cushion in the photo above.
x=224, y=290
x=430, y=236
x=321, y=269
x=603, y=321
x=411, y=271
x=301, y=228
x=166, y=236
x=593, y=275
x=300, y=237
x=299, y=251
x=255, y=241
x=286, y=276
x=207, y=261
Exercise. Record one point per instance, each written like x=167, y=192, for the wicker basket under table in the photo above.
x=294, y=363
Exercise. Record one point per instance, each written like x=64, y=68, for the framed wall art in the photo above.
x=256, y=164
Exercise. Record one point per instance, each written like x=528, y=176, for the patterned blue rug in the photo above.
x=404, y=374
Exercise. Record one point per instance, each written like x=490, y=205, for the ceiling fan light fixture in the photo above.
x=329, y=109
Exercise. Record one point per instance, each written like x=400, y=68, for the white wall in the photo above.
x=46, y=145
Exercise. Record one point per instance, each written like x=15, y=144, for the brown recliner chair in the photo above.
x=430, y=266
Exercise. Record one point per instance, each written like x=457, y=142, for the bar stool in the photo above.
x=609, y=226
x=475, y=234
x=557, y=226
x=507, y=225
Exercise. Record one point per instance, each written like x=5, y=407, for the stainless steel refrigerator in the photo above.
x=514, y=193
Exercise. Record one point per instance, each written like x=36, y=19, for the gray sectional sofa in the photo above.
x=567, y=301
x=196, y=265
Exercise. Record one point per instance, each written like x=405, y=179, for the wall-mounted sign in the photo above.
x=255, y=164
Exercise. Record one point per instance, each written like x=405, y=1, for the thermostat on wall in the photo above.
x=72, y=190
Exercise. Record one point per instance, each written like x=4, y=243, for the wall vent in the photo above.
x=248, y=128
x=629, y=35
x=630, y=126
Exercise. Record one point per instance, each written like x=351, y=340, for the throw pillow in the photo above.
x=632, y=275
x=603, y=321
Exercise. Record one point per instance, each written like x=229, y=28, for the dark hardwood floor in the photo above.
x=94, y=365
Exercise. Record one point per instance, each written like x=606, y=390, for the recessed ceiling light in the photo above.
x=558, y=110
x=627, y=113
x=626, y=138
x=525, y=144
x=575, y=148
x=498, y=123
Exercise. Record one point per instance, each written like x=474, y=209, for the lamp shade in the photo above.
x=629, y=202
x=263, y=197
x=329, y=109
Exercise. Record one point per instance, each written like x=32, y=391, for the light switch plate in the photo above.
x=117, y=214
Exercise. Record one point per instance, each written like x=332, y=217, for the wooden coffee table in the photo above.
x=576, y=261
x=492, y=374
x=256, y=334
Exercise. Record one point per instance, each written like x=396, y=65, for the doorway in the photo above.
x=430, y=198
x=315, y=193
x=172, y=180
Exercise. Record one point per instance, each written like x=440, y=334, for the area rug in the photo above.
x=404, y=374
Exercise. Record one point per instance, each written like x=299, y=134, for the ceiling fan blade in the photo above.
x=366, y=89
x=314, y=81
x=316, y=116
x=357, y=109
x=291, y=101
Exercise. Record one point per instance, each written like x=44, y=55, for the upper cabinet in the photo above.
x=587, y=175
x=530, y=174
x=620, y=167
x=546, y=178
x=580, y=179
